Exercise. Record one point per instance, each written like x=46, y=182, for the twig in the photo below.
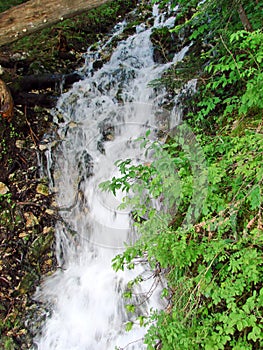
x=5, y=280
x=132, y=342
x=29, y=203
x=231, y=55
x=33, y=135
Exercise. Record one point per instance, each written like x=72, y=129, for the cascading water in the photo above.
x=102, y=116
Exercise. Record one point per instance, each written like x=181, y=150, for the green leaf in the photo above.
x=130, y=308
x=141, y=320
x=128, y=326
x=254, y=197
x=127, y=294
x=147, y=134
x=255, y=334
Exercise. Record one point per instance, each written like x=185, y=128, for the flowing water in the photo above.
x=102, y=116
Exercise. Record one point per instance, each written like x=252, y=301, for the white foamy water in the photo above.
x=103, y=115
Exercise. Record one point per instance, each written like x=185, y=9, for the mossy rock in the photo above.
x=40, y=246
x=28, y=282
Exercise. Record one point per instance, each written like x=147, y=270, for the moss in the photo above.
x=44, y=50
x=5, y=5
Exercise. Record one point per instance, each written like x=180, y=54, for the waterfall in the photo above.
x=99, y=120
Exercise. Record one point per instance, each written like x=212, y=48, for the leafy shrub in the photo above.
x=214, y=266
x=237, y=80
x=207, y=239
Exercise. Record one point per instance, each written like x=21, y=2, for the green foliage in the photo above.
x=238, y=71
x=230, y=60
x=209, y=243
x=214, y=265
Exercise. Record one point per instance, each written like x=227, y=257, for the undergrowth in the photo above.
x=208, y=238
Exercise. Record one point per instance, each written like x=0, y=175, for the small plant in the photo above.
x=239, y=72
x=213, y=266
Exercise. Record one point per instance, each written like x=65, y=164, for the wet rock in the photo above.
x=97, y=64
x=69, y=126
x=44, y=145
x=85, y=165
x=100, y=147
x=107, y=130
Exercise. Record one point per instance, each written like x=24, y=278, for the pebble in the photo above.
x=3, y=188
x=42, y=189
x=31, y=220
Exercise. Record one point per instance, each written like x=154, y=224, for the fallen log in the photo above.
x=44, y=81
x=21, y=89
x=34, y=15
x=30, y=99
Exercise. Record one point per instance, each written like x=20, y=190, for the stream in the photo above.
x=100, y=119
